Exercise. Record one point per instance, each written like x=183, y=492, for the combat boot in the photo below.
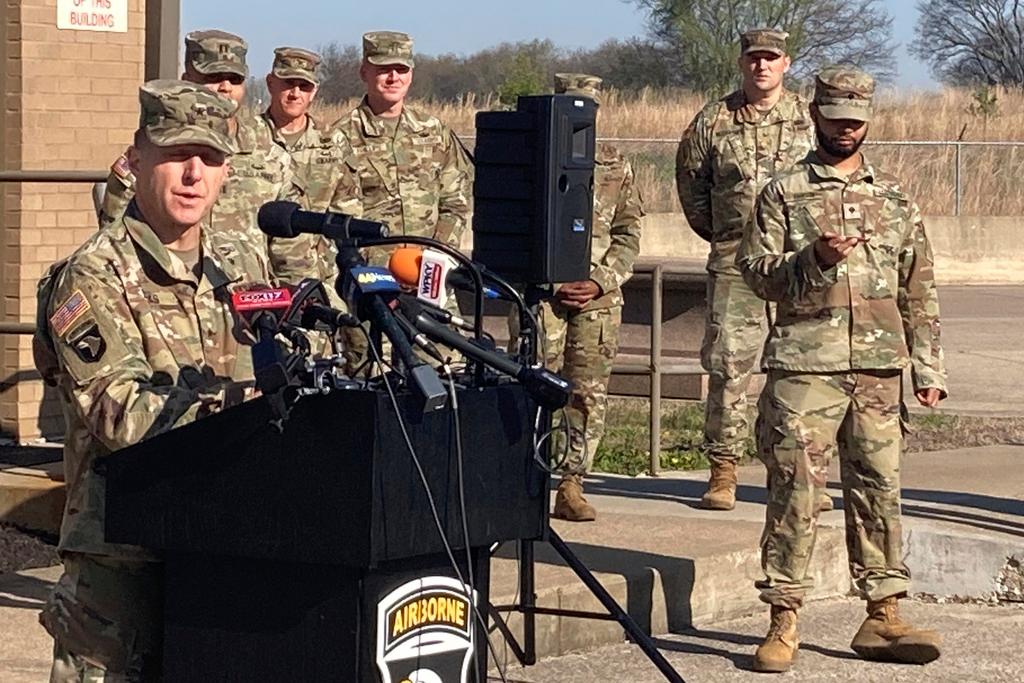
x=570, y=504
x=825, y=503
x=884, y=637
x=778, y=651
x=721, y=493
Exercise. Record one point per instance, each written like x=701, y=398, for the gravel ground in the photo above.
x=19, y=550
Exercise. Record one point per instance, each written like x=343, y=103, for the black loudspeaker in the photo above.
x=533, y=190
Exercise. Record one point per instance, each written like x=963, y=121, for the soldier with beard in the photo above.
x=842, y=250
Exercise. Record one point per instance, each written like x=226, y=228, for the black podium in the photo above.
x=311, y=554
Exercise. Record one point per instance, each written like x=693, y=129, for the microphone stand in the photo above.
x=527, y=652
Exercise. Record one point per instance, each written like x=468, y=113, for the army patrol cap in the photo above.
x=182, y=113
x=583, y=85
x=216, y=52
x=764, y=40
x=294, y=62
x=382, y=48
x=844, y=92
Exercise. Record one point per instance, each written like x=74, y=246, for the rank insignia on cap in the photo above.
x=69, y=312
x=89, y=344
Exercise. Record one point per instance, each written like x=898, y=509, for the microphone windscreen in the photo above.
x=405, y=265
x=275, y=218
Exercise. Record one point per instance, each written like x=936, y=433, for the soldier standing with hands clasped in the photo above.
x=582, y=321
x=842, y=250
x=728, y=154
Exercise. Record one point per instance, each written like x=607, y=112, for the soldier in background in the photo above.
x=292, y=84
x=414, y=173
x=143, y=338
x=842, y=250
x=581, y=323
x=324, y=176
x=260, y=170
x=728, y=154
x=225, y=76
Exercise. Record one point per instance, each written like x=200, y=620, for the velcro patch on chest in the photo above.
x=852, y=212
x=69, y=312
x=427, y=140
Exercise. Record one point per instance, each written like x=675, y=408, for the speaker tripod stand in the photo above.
x=526, y=652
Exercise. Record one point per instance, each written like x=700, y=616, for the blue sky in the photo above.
x=458, y=26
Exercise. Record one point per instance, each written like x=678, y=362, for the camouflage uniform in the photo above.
x=418, y=181
x=323, y=179
x=581, y=344
x=728, y=154
x=142, y=345
x=835, y=354
x=261, y=171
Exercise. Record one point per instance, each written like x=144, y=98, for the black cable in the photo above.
x=463, y=510
x=459, y=470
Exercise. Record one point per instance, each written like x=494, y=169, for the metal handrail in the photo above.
x=53, y=176
x=655, y=368
x=17, y=328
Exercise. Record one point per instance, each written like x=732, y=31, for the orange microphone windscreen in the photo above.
x=405, y=265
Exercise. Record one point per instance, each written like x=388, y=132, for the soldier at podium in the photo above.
x=143, y=340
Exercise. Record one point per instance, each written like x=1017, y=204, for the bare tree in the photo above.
x=703, y=35
x=972, y=41
x=339, y=73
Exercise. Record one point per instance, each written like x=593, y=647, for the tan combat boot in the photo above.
x=778, y=651
x=570, y=504
x=885, y=637
x=825, y=503
x=721, y=493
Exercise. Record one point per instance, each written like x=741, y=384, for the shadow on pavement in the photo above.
x=23, y=592
x=677, y=576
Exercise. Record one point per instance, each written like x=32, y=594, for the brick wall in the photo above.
x=70, y=102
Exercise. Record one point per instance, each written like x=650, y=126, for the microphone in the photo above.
x=262, y=309
x=415, y=306
x=310, y=309
x=254, y=303
x=364, y=288
x=316, y=316
x=286, y=219
x=545, y=387
x=432, y=273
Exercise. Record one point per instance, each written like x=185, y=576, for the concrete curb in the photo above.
x=32, y=498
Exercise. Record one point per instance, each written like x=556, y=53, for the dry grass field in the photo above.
x=991, y=176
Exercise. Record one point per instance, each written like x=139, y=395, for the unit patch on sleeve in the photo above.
x=88, y=344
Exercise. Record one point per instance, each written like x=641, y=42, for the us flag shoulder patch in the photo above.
x=121, y=169
x=69, y=312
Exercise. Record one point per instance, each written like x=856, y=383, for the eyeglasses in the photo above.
x=232, y=78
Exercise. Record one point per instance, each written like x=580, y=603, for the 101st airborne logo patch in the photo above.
x=86, y=341
x=425, y=632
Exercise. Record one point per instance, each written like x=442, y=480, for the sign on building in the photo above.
x=93, y=15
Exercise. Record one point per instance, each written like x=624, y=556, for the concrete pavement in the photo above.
x=981, y=644
x=674, y=566
x=981, y=331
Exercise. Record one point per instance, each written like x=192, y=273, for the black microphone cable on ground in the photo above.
x=433, y=509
